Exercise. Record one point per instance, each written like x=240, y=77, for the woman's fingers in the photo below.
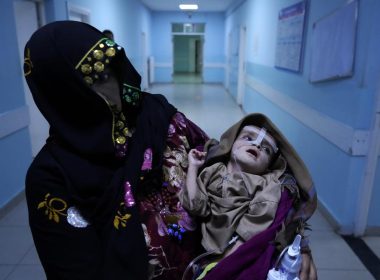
x=305, y=267
x=308, y=269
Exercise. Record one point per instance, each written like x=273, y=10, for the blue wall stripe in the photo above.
x=13, y=120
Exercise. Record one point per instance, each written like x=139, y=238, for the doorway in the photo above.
x=144, y=63
x=241, y=68
x=188, y=40
x=29, y=17
x=77, y=13
x=187, y=58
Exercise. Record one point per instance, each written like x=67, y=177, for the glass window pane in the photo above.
x=188, y=27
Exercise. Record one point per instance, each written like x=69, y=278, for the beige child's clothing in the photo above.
x=240, y=203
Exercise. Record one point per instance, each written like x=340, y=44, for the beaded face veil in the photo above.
x=95, y=67
x=65, y=63
x=92, y=65
x=98, y=69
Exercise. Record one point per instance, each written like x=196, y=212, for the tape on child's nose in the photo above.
x=260, y=137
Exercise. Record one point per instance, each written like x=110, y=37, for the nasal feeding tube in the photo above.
x=257, y=142
x=260, y=137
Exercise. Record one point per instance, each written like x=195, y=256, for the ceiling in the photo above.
x=203, y=5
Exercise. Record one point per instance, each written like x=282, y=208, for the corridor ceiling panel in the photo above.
x=204, y=5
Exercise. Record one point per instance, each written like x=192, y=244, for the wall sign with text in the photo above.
x=290, y=33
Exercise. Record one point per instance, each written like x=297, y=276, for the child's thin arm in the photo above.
x=196, y=159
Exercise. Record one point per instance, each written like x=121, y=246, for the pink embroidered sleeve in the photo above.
x=171, y=233
x=164, y=204
x=183, y=135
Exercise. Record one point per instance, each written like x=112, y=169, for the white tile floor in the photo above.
x=213, y=109
x=18, y=256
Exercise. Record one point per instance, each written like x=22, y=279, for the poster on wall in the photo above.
x=333, y=44
x=290, y=33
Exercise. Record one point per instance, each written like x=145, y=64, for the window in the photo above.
x=188, y=27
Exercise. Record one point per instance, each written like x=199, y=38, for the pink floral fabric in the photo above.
x=172, y=236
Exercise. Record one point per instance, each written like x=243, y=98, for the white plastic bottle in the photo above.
x=288, y=265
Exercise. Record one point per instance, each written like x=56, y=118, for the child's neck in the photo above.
x=233, y=167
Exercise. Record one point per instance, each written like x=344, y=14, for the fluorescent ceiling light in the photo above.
x=188, y=6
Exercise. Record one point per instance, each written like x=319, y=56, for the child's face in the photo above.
x=250, y=156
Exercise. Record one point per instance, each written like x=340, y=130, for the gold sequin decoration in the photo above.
x=88, y=80
x=98, y=54
x=110, y=52
x=86, y=69
x=119, y=124
x=92, y=65
x=99, y=67
x=120, y=140
x=110, y=43
x=126, y=132
x=54, y=207
x=122, y=117
x=121, y=219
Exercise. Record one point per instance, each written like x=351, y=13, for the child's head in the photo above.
x=285, y=161
x=285, y=158
x=253, y=150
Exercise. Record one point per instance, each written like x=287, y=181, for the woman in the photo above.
x=107, y=140
x=102, y=192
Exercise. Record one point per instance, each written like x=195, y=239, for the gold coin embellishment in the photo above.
x=99, y=67
x=120, y=140
x=88, y=80
x=107, y=61
x=110, y=52
x=126, y=132
x=86, y=69
x=120, y=124
x=98, y=54
x=89, y=58
x=101, y=46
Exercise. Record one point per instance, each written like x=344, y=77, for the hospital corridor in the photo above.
x=312, y=68
x=213, y=109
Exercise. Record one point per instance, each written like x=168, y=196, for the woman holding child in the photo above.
x=102, y=193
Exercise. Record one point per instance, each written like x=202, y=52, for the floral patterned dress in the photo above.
x=172, y=236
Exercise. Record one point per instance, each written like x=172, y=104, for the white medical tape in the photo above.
x=260, y=138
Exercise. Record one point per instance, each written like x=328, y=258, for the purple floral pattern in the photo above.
x=161, y=211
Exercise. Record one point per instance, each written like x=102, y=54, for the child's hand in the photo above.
x=196, y=158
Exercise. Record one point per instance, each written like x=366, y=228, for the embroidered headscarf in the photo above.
x=62, y=60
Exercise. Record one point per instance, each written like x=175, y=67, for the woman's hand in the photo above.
x=308, y=269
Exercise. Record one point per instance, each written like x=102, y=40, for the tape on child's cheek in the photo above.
x=260, y=137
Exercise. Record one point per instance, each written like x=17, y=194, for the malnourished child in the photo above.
x=236, y=186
